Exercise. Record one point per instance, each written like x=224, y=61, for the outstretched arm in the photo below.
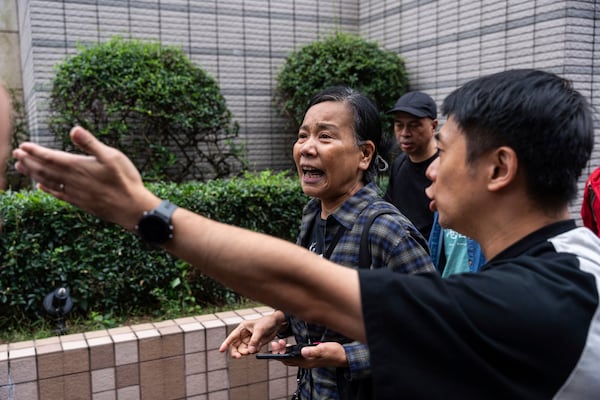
x=278, y=273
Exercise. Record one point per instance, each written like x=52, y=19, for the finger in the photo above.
x=234, y=347
x=256, y=341
x=58, y=193
x=42, y=163
x=278, y=346
x=234, y=335
x=234, y=341
x=226, y=343
x=114, y=163
x=234, y=353
x=240, y=349
x=310, y=352
x=87, y=142
x=31, y=161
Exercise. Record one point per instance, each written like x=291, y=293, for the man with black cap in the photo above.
x=415, y=122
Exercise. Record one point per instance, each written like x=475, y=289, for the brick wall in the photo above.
x=168, y=360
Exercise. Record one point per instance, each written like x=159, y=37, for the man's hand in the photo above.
x=104, y=182
x=326, y=354
x=250, y=336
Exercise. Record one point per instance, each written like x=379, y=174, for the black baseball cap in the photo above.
x=418, y=104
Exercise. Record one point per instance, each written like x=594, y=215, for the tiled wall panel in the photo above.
x=241, y=43
x=172, y=359
x=446, y=43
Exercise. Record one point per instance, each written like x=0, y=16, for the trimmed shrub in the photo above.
x=340, y=59
x=47, y=243
x=150, y=101
x=19, y=134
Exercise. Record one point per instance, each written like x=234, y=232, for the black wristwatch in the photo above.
x=155, y=225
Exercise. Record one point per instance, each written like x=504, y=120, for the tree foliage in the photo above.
x=340, y=59
x=19, y=134
x=150, y=101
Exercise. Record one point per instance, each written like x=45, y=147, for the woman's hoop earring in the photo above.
x=382, y=165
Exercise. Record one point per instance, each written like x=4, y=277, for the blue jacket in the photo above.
x=476, y=257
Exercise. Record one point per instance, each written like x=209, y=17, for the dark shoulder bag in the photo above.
x=359, y=389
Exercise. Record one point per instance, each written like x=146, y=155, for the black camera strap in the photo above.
x=334, y=241
x=364, y=252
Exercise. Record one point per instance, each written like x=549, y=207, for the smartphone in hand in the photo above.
x=291, y=351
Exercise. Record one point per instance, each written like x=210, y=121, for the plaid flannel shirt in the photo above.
x=394, y=243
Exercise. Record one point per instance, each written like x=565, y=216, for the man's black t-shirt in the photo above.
x=527, y=326
x=406, y=191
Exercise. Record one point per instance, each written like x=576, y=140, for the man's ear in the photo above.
x=367, y=149
x=503, y=168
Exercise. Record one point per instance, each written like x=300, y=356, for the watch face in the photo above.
x=154, y=229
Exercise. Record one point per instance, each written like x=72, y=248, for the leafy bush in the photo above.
x=340, y=59
x=19, y=134
x=152, y=102
x=47, y=243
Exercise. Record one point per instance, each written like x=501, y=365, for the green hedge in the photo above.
x=46, y=243
x=152, y=100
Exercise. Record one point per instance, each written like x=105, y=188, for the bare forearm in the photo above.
x=271, y=270
x=106, y=183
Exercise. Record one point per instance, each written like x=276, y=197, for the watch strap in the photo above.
x=166, y=209
x=162, y=214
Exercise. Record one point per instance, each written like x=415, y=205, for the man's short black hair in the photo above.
x=540, y=116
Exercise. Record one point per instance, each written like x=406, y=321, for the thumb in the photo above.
x=255, y=343
x=311, y=351
x=86, y=141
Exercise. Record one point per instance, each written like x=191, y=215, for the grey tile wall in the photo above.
x=446, y=43
x=243, y=43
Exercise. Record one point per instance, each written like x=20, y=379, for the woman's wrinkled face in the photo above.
x=330, y=163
